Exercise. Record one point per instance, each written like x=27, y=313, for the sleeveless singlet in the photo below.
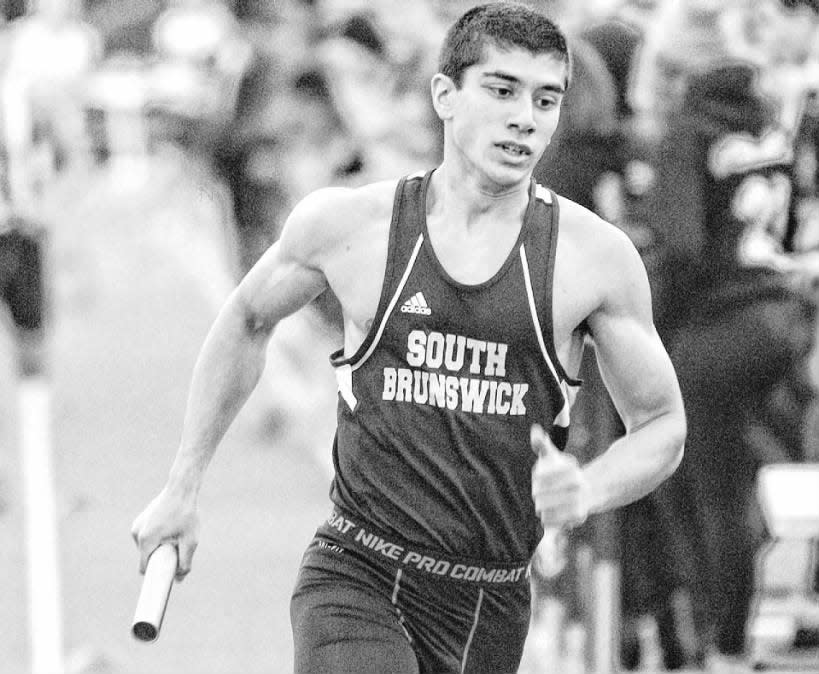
x=435, y=407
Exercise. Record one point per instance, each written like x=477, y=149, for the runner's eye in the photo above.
x=501, y=91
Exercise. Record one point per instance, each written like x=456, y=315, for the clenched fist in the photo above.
x=560, y=490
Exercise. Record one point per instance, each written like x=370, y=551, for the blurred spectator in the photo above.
x=618, y=37
x=652, y=60
x=303, y=118
x=738, y=233
x=739, y=328
x=224, y=89
x=269, y=166
x=247, y=150
x=22, y=292
x=199, y=57
x=13, y=9
x=680, y=38
x=47, y=55
x=44, y=57
x=286, y=137
x=584, y=161
x=387, y=47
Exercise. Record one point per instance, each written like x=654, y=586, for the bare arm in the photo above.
x=227, y=370
x=642, y=383
x=233, y=355
x=615, y=303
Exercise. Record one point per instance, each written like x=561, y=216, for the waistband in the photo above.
x=344, y=530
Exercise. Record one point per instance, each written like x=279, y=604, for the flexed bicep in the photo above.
x=641, y=382
x=633, y=361
x=289, y=275
x=277, y=286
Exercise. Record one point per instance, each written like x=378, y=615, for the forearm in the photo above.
x=636, y=463
x=227, y=370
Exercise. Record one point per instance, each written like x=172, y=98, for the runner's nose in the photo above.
x=523, y=116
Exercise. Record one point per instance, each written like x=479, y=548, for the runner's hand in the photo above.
x=560, y=489
x=169, y=517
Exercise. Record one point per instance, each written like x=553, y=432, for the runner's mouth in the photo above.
x=515, y=149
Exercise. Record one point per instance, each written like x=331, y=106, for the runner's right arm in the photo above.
x=229, y=366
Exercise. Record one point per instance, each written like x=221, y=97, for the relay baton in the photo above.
x=156, y=588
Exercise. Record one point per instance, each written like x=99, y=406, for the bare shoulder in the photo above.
x=601, y=241
x=598, y=270
x=338, y=202
x=601, y=249
x=342, y=236
x=333, y=216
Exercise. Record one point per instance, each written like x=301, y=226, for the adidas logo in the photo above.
x=416, y=305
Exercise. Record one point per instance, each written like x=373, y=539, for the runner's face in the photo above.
x=505, y=113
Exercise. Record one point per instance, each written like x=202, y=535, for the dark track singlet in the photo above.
x=436, y=405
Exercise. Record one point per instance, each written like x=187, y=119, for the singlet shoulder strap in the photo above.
x=543, y=242
x=407, y=226
x=405, y=237
x=539, y=255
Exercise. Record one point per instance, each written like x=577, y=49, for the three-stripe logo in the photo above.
x=416, y=304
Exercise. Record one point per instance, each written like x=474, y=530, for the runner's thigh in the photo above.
x=342, y=627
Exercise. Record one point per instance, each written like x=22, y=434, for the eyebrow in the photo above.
x=499, y=74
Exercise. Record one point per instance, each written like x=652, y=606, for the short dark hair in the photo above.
x=506, y=25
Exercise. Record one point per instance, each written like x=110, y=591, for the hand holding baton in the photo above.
x=156, y=589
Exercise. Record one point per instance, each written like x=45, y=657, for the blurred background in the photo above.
x=150, y=151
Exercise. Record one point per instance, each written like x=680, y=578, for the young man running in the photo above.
x=467, y=293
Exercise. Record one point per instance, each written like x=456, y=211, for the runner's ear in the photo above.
x=442, y=89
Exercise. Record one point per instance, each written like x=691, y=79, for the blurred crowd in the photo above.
x=691, y=124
